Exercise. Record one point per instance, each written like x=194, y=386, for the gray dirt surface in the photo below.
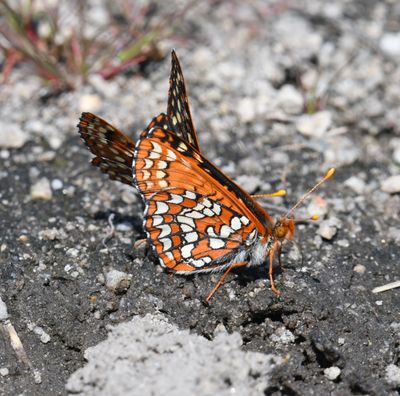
x=253, y=69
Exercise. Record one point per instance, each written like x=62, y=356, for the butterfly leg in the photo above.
x=275, y=248
x=221, y=281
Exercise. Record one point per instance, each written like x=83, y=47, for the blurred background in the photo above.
x=280, y=91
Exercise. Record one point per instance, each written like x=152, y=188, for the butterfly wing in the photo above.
x=178, y=105
x=113, y=149
x=196, y=218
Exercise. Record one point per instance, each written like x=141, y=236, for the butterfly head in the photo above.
x=284, y=229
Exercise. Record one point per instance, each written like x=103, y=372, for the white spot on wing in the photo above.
x=167, y=244
x=171, y=155
x=210, y=231
x=186, y=228
x=216, y=209
x=208, y=212
x=185, y=220
x=190, y=195
x=206, y=202
x=162, y=164
x=165, y=230
x=235, y=223
x=216, y=243
x=175, y=198
x=195, y=215
x=160, y=174
x=186, y=250
x=147, y=163
x=191, y=237
x=157, y=220
x=244, y=220
x=156, y=147
x=162, y=208
x=225, y=231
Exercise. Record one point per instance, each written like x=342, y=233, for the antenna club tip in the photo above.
x=315, y=217
x=280, y=193
x=330, y=173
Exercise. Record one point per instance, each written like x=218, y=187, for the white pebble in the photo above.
x=246, y=110
x=391, y=185
x=327, y=230
x=314, y=125
x=3, y=310
x=41, y=190
x=332, y=373
x=390, y=44
x=11, y=135
x=90, y=103
x=356, y=184
x=393, y=375
x=56, y=184
x=72, y=252
x=290, y=100
x=118, y=281
x=359, y=269
x=4, y=371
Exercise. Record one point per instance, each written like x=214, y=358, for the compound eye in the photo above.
x=281, y=231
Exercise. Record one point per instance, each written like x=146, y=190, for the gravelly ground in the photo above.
x=251, y=69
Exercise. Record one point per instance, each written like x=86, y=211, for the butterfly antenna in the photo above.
x=327, y=176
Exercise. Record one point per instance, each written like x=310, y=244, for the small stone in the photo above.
x=56, y=184
x=379, y=302
x=391, y=185
x=359, y=269
x=282, y=336
x=12, y=136
x=4, y=371
x=390, y=44
x=396, y=155
x=91, y=103
x=332, y=373
x=246, y=110
x=341, y=340
x=124, y=227
x=344, y=243
x=327, y=230
x=42, y=190
x=72, y=252
x=290, y=100
x=356, y=184
x=393, y=234
x=49, y=234
x=393, y=375
x=23, y=238
x=44, y=337
x=118, y=281
x=314, y=125
x=3, y=310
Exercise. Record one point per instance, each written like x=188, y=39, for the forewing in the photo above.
x=178, y=105
x=113, y=149
x=193, y=221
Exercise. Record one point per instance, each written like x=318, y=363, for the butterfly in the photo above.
x=196, y=218
x=113, y=149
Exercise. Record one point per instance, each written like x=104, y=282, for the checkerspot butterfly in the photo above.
x=196, y=218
